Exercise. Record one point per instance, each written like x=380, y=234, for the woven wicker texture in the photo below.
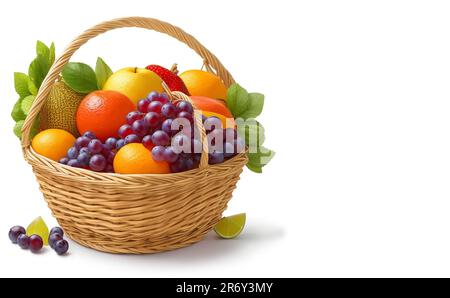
x=134, y=213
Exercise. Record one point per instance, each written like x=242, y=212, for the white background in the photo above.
x=357, y=108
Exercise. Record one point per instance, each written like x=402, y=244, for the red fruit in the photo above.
x=170, y=77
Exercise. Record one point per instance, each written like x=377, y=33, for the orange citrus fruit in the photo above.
x=103, y=112
x=214, y=107
x=202, y=83
x=136, y=159
x=53, y=143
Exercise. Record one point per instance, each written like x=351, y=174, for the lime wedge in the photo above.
x=230, y=227
x=39, y=227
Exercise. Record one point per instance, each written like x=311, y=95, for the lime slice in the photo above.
x=231, y=226
x=26, y=104
x=39, y=227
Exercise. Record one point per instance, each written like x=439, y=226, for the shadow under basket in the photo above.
x=134, y=214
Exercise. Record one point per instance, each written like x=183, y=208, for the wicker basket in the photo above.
x=134, y=213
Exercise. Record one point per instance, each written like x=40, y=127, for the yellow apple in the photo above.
x=135, y=83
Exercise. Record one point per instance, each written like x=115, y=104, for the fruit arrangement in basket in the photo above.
x=128, y=121
x=142, y=159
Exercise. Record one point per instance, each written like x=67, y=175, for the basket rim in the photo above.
x=81, y=170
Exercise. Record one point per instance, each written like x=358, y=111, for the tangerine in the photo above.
x=103, y=112
x=202, y=83
x=134, y=158
x=53, y=143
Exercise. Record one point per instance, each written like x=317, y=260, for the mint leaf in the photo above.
x=255, y=106
x=80, y=77
x=21, y=84
x=103, y=72
x=237, y=100
x=256, y=161
x=32, y=88
x=253, y=133
x=38, y=70
x=254, y=168
x=16, y=112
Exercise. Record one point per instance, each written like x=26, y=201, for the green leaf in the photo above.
x=32, y=88
x=17, y=113
x=254, y=168
x=21, y=84
x=237, y=100
x=42, y=50
x=18, y=128
x=253, y=133
x=26, y=104
x=38, y=70
x=255, y=106
x=52, y=54
x=80, y=77
x=103, y=72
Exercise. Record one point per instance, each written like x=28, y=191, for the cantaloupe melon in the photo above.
x=60, y=109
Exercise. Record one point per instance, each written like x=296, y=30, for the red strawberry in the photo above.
x=170, y=77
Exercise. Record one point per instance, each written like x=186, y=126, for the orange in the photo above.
x=136, y=159
x=202, y=83
x=214, y=107
x=103, y=112
x=53, y=143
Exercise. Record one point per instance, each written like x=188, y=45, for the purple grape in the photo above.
x=109, y=168
x=178, y=166
x=179, y=141
x=215, y=138
x=90, y=135
x=53, y=238
x=147, y=142
x=152, y=119
x=95, y=146
x=83, y=159
x=72, y=153
x=140, y=127
x=120, y=143
x=212, y=123
x=168, y=110
x=23, y=241
x=152, y=95
x=97, y=163
x=125, y=130
x=215, y=158
x=74, y=163
x=57, y=230
x=158, y=153
x=229, y=135
x=185, y=115
x=64, y=160
x=167, y=127
x=228, y=150
x=155, y=106
x=162, y=98
x=189, y=164
x=132, y=139
x=143, y=105
x=36, y=243
x=82, y=142
x=133, y=116
x=160, y=138
x=61, y=247
x=111, y=143
x=110, y=157
x=196, y=146
x=170, y=155
x=184, y=106
x=15, y=232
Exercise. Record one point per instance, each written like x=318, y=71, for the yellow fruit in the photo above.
x=136, y=159
x=60, y=108
x=38, y=227
x=202, y=83
x=53, y=143
x=135, y=83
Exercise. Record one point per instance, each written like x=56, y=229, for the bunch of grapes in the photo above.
x=168, y=130
x=90, y=153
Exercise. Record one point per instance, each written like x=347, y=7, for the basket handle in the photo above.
x=147, y=23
